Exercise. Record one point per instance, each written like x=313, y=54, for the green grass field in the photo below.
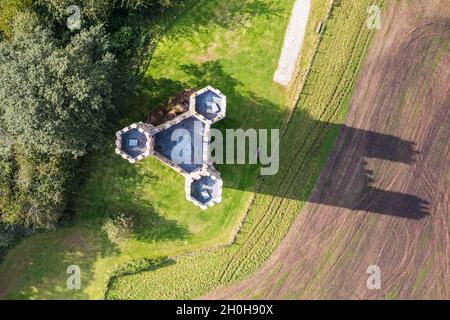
x=232, y=45
x=309, y=137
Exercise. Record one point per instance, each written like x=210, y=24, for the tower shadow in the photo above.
x=346, y=180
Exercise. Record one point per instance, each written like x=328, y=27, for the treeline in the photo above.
x=59, y=92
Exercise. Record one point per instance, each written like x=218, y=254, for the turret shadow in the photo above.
x=305, y=145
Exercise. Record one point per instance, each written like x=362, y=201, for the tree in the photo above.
x=53, y=99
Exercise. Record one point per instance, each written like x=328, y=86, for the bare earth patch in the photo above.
x=382, y=198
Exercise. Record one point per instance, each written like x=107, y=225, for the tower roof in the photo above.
x=134, y=142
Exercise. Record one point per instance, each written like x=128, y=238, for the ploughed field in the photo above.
x=382, y=198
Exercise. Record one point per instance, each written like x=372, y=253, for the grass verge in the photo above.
x=306, y=143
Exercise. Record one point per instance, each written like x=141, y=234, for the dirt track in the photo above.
x=394, y=177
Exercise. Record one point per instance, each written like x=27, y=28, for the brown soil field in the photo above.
x=383, y=196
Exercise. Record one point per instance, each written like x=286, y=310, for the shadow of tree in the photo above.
x=212, y=14
x=84, y=244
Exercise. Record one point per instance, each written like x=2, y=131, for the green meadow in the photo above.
x=234, y=46
x=231, y=45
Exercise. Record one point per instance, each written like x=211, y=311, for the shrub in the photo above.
x=119, y=228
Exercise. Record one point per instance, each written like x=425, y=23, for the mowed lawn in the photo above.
x=232, y=45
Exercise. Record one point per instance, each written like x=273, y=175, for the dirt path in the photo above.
x=394, y=177
x=293, y=41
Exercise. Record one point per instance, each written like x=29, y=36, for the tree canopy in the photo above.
x=58, y=91
x=56, y=99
